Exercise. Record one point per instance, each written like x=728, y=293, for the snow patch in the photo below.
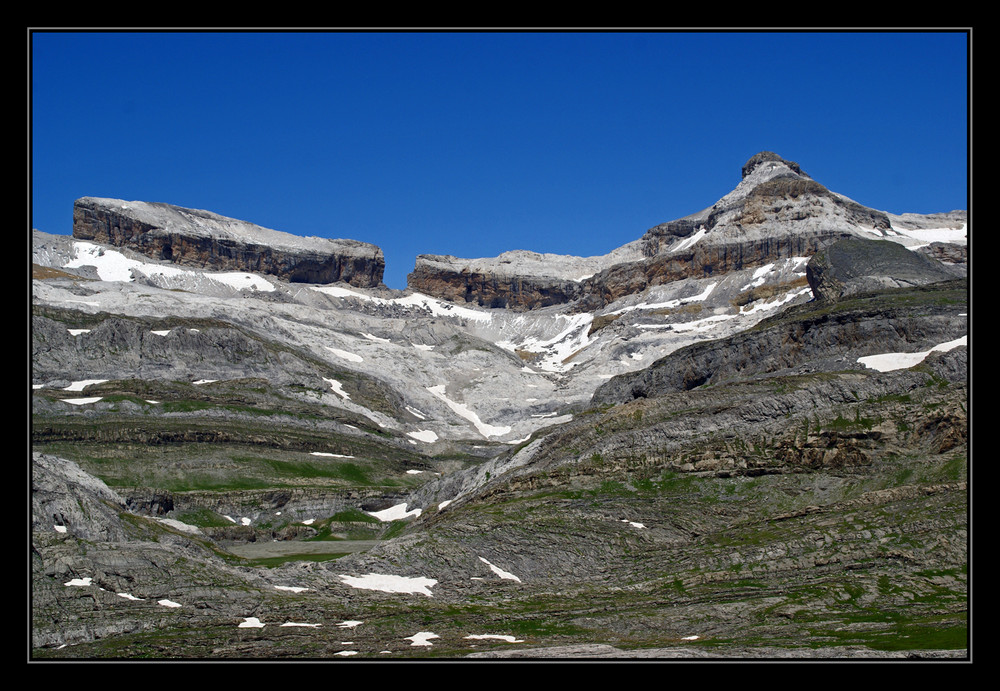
x=690, y=241
x=394, y=513
x=759, y=277
x=497, y=637
x=556, y=351
x=500, y=572
x=344, y=354
x=83, y=384
x=760, y=305
x=243, y=281
x=338, y=388
x=391, y=584
x=438, y=308
x=416, y=413
x=183, y=527
x=463, y=411
x=887, y=362
x=955, y=236
x=669, y=304
x=112, y=265
x=424, y=435
x=422, y=638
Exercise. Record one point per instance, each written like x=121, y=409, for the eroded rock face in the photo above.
x=204, y=239
x=775, y=212
x=856, y=265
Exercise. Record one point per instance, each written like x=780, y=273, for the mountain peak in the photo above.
x=769, y=156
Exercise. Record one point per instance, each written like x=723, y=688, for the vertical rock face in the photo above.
x=204, y=239
x=776, y=211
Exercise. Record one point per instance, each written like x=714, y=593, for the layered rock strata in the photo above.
x=805, y=339
x=777, y=211
x=200, y=238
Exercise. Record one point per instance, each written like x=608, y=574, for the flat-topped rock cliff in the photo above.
x=517, y=279
x=204, y=239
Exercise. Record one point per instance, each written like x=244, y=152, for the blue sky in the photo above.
x=473, y=144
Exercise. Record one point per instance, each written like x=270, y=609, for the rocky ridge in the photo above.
x=775, y=212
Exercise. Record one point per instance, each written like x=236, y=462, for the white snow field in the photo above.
x=82, y=401
x=425, y=435
x=490, y=636
x=83, y=384
x=394, y=513
x=887, y=362
x=500, y=572
x=183, y=527
x=391, y=584
x=113, y=265
x=463, y=411
x=422, y=638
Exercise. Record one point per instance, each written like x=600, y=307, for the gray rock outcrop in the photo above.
x=64, y=498
x=856, y=265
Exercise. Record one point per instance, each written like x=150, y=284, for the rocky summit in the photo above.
x=744, y=435
x=775, y=213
